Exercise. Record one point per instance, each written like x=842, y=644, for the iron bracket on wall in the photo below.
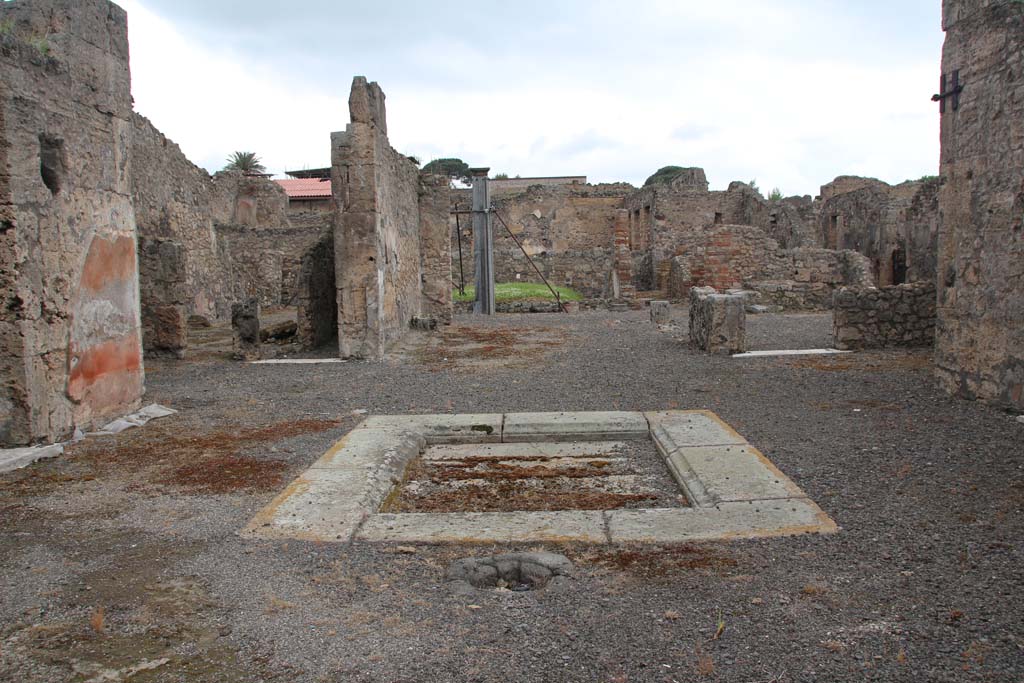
x=953, y=92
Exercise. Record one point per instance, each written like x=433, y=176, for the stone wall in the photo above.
x=239, y=237
x=722, y=257
x=435, y=247
x=980, y=336
x=164, y=298
x=734, y=256
x=316, y=291
x=501, y=187
x=667, y=217
x=377, y=258
x=70, y=341
x=567, y=230
x=871, y=318
x=895, y=226
x=173, y=202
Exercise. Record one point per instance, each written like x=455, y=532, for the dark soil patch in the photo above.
x=228, y=473
x=869, y=362
x=468, y=345
x=160, y=454
x=439, y=471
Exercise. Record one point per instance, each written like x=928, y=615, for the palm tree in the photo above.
x=246, y=162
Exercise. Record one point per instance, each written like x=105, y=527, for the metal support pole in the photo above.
x=483, y=243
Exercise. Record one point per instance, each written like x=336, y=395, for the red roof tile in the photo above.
x=306, y=188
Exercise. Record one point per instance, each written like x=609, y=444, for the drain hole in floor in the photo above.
x=518, y=572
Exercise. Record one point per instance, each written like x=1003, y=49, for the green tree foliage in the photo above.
x=776, y=195
x=665, y=174
x=456, y=169
x=246, y=162
x=753, y=185
x=501, y=176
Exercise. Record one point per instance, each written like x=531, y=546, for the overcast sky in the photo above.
x=790, y=92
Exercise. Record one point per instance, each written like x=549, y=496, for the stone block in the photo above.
x=166, y=330
x=661, y=312
x=717, y=321
x=585, y=426
x=245, y=325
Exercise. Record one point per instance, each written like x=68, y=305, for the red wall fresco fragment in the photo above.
x=108, y=262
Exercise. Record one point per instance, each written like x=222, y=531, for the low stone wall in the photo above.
x=870, y=318
x=717, y=321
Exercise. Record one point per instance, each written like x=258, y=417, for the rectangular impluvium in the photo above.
x=597, y=477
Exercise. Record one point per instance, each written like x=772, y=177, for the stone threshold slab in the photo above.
x=734, y=490
x=789, y=352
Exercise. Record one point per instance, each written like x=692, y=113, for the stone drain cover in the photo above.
x=513, y=571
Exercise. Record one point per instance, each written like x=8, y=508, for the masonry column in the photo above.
x=483, y=243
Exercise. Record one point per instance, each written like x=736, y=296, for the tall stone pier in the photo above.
x=392, y=254
x=483, y=242
x=70, y=341
x=979, y=349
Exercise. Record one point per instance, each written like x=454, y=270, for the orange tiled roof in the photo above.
x=306, y=188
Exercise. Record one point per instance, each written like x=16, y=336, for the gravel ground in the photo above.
x=121, y=560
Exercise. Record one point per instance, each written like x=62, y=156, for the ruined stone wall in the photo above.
x=435, y=247
x=377, y=258
x=238, y=235
x=568, y=231
x=317, y=318
x=872, y=318
x=173, y=202
x=70, y=341
x=979, y=349
x=164, y=297
x=667, y=218
x=501, y=187
x=894, y=226
x=723, y=257
x=793, y=222
x=734, y=256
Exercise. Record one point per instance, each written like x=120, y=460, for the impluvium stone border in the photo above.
x=734, y=491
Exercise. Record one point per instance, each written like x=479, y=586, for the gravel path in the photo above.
x=121, y=560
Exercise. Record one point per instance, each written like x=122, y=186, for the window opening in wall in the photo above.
x=718, y=217
x=832, y=239
x=51, y=162
x=899, y=266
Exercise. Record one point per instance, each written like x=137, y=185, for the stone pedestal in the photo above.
x=717, y=321
x=661, y=313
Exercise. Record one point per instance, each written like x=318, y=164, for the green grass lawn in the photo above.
x=514, y=291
